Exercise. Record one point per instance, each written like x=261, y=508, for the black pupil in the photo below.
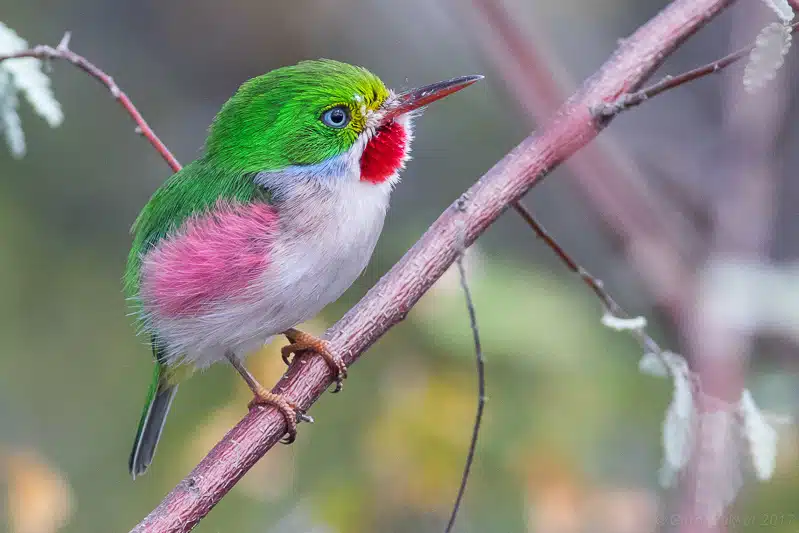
x=337, y=116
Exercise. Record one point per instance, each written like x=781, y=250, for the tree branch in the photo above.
x=648, y=230
x=742, y=223
x=637, y=98
x=62, y=51
x=389, y=301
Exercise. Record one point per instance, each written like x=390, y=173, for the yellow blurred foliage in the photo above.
x=415, y=449
x=340, y=507
x=561, y=499
x=40, y=499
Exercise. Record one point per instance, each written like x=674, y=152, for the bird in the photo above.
x=274, y=220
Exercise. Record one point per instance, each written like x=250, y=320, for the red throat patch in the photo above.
x=384, y=153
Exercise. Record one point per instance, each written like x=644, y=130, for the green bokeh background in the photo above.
x=571, y=439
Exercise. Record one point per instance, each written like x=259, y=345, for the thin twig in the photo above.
x=62, y=51
x=481, y=380
x=626, y=101
x=609, y=305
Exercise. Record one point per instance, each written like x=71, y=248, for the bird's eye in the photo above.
x=337, y=117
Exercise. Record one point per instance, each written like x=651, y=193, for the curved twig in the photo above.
x=62, y=51
x=609, y=304
x=637, y=98
x=481, y=386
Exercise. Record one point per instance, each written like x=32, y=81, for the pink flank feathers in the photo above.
x=212, y=258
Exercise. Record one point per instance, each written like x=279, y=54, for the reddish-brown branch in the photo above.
x=62, y=51
x=627, y=101
x=388, y=302
x=640, y=218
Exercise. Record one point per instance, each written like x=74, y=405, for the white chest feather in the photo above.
x=326, y=237
x=325, y=243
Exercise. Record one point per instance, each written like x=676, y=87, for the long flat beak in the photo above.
x=416, y=98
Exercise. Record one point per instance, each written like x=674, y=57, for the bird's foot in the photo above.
x=301, y=341
x=290, y=411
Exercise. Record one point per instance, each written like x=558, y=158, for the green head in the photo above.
x=308, y=114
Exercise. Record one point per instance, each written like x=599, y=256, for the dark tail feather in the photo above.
x=159, y=399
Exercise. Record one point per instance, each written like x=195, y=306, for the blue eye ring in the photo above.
x=336, y=117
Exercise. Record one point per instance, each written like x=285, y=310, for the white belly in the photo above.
x=326, y=240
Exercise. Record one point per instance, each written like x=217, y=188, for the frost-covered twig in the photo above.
x=679, y=422
x=626, y=101
x=727, y=424
x=62, y=51
x=692, y=412
x=24, y=77
x=782, y=8
x=741, y=220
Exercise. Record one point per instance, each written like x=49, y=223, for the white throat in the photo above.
x=339, y=174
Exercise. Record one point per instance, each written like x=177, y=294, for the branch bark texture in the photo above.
x=389, y=301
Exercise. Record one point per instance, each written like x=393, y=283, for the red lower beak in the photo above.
x=416, y=98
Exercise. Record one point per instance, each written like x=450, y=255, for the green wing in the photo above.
x=188, y=193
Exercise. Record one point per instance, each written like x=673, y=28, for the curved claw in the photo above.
x=292, y=436
x=286, y=353
x=291, y=413
x=339, y=371
x=301, y=341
